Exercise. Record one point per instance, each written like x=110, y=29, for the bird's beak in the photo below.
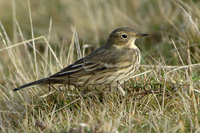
x=141, y=35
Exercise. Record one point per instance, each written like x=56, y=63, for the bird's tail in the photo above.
x=43, y=81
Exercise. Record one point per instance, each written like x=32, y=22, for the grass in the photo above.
x=38, y=38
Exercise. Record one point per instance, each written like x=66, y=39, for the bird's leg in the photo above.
x=121, y=90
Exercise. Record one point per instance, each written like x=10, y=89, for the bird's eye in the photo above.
x=124, y=36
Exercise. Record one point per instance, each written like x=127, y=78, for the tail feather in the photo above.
x=34, y=83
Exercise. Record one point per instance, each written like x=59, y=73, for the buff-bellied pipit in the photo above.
x=109, y=65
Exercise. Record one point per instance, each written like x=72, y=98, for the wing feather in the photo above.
x=94, y=64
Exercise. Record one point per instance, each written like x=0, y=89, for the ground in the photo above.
x=38, y=38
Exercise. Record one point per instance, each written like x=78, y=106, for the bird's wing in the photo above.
x=80, y=68
x=99, y=61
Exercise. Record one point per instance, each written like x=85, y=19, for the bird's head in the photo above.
x=123, y=37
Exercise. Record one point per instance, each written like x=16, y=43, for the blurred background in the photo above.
x=94, y=21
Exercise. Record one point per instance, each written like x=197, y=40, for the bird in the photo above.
x=104, y=69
